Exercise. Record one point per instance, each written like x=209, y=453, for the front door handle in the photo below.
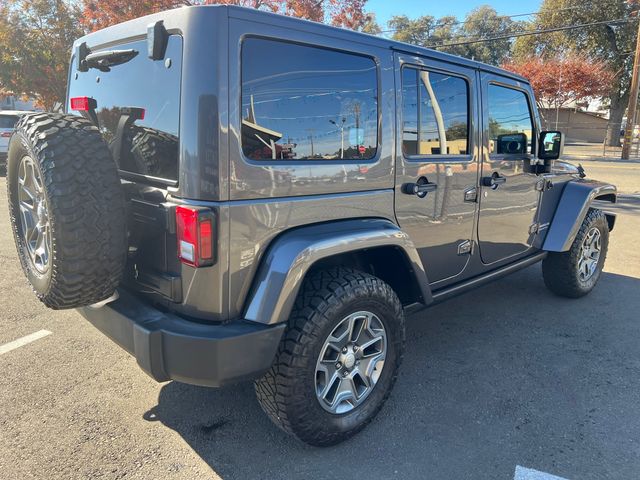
x=420, y=188
x=494, y=181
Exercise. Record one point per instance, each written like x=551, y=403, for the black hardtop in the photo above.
x=184, y=15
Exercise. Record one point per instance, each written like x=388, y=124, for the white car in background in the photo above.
x=8, y=120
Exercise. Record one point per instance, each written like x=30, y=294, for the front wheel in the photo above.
x=575, y=273
x=339, y=359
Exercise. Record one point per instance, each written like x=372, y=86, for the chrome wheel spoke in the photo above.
x=34, y=214
x=589, y=254
x=350, y=362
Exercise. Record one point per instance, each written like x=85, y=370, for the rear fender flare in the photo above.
x=292, y=255
x=575, y=201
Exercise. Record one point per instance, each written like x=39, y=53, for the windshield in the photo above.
x=137, y=106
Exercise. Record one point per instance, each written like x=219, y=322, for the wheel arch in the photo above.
x=576, y=200
x=374, y=246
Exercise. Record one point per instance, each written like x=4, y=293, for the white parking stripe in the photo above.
x=7, y=347
x=531, y=474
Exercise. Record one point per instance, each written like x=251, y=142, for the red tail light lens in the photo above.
x=83, y=104
x=195, y=233
x=6, y=134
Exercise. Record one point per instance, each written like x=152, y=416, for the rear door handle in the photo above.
x=494, y=181
x=419, y=189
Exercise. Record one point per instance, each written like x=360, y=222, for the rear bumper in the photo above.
x=168, y=347
x=3, y=158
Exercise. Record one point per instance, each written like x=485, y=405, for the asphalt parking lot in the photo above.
x=505, y=376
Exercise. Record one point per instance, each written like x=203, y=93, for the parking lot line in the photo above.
x=20, y=342
x=523, y=473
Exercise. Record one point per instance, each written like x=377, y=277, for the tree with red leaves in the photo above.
x=99, y=14
x=559, y=82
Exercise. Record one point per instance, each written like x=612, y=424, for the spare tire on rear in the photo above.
x=67, y=209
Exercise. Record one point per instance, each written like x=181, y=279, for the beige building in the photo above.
x=578, y=126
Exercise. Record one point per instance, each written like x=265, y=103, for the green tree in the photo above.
x=611, y=43
x=371, y=25
x=482, y=22
x=35, y=44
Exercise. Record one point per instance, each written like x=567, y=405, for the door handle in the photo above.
x=420, y=189
x=494, y=181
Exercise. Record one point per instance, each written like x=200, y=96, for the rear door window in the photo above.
x=148, y=92
x=435, y=113
x=307, y=103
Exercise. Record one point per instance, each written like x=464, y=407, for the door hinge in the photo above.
x=465, y=248
x=540, y=185
x=535, y=228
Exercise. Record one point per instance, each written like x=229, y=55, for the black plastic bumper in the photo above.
x=169, y=347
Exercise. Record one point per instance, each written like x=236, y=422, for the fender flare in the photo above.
x=292, y=254
x=575, y=201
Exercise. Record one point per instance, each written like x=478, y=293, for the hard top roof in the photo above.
x=251, y=14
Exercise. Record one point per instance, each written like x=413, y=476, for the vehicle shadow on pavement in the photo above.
x=506, y=375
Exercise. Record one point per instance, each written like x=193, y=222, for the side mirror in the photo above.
x=550, y=145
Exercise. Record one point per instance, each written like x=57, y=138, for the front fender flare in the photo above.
x=291, y=255
x=577, y=197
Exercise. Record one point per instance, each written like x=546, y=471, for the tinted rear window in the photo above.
x=149, y=146
x=311, y=103
x=8, y=121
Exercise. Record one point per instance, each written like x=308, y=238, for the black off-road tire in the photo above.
x=287, y=391
x=560, y=269
x=86, y=209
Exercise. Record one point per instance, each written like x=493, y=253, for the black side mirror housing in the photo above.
x=550, y=145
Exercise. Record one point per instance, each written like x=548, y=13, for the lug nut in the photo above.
x=338, y=366
x=345, y=373
x=344, y=349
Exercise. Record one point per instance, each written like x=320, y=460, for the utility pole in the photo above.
x=633, y=101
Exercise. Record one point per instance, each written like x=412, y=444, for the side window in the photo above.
x=435, y=113
x=510, y=123
x=307, y=103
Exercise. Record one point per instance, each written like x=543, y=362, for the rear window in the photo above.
x=8, y=121
x=307, y=103
x=144, y=146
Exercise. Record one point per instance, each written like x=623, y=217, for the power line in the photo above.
x=539, y=12
x=535, y=32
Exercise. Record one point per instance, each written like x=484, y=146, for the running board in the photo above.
x=475, y=282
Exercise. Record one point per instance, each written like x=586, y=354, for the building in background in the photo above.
x=579, y=126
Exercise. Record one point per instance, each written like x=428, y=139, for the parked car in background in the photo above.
x=8, y=120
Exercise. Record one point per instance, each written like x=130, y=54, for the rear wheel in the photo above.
x=339, y=359
x=67, y=210
x=575, y=273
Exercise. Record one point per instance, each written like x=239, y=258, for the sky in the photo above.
x=385, y=9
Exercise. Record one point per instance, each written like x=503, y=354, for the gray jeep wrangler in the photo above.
x=237, y=195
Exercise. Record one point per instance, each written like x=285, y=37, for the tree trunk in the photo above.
x=616, y=112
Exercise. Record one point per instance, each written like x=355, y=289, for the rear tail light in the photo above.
x=6, y=134
x=195, y=230
x=83, y=104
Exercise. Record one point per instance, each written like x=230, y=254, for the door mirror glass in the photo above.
x=550, y=145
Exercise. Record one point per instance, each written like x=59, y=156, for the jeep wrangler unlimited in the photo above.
x=237, y=195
